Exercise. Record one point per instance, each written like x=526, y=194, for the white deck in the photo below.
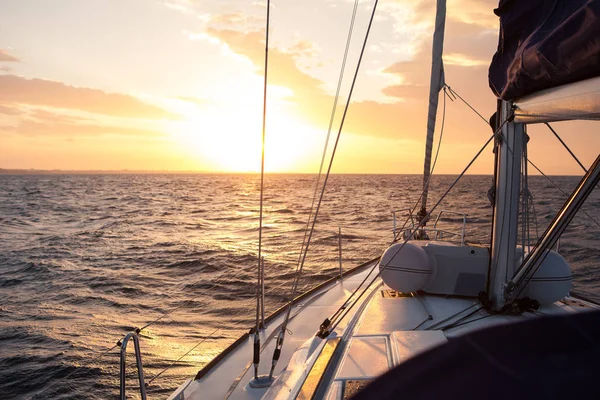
x=234, y=372
x=377, y=335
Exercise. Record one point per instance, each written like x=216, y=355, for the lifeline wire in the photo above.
x=136, y=330
x=180, y=358
x=171, y=311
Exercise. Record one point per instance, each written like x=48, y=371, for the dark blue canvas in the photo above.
x=544, y=44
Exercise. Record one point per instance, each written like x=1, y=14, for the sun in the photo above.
x=227, y=137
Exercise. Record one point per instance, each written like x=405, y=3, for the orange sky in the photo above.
x=177, y=85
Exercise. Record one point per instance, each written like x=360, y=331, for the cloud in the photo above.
x=195, y=100
x=9, y=110
x=468, y=45
x=284, y=71
x=303, y=48
x=474, y=12
x=50, y=117
x=5, y=57
x=184, y=6
x=463, y=60
x=40, y=122
x=201, y=36
x=40, y=92
x=34, y=128
x=309, y=97
x=234, y=20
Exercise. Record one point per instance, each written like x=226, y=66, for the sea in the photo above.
x=87, y=258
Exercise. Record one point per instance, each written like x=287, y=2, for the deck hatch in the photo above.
x=410, y=343
x=366, y=357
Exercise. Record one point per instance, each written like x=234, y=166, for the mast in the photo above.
x=436, y=84
x=510, y=144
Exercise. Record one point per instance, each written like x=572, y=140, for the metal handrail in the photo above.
x=138, y=357
x=410, y=229
x=410, y=216
x=464, y=224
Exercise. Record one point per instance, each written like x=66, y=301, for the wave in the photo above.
x=84, y=259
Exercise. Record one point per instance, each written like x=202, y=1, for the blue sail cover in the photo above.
x=544, y=44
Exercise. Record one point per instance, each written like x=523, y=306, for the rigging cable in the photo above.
x=256, y=348
x=324, y=328
x=453, y=92
x=450, y=317
x=316, y=214
x=437, y=152
x=528, y=269
x=456, y=95
x=567, y=148
x=347, y=301
x=283, y=330
x=467, y=322
x=562, y=191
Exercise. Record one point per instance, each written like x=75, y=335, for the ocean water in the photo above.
x=84, y=259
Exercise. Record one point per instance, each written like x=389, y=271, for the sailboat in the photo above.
x=423, y=294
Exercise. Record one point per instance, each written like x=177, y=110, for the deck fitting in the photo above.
x=262, y=381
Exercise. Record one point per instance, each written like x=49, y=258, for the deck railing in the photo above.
x=435, y=233
x=138, y=359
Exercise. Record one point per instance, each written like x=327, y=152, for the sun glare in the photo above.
x=227, y=137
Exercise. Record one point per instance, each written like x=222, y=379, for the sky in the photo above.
x=177, y=85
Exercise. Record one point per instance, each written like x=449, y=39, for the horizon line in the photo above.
x=33, y=171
